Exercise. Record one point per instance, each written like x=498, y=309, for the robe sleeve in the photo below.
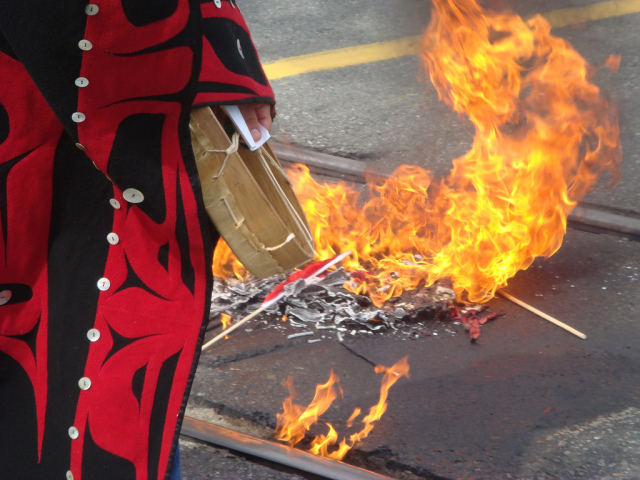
x=231, y=71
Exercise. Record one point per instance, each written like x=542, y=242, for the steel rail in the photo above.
x=275, y=452
x=585, y=216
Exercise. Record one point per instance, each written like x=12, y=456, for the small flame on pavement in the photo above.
x=543, y=136
x=225, y=318
x=295, y=421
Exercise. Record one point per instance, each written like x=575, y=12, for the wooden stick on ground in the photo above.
x=232, y=328
x=543, y=315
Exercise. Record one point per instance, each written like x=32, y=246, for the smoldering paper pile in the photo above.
x=325, y=309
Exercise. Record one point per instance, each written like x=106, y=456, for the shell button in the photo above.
x=113, y=238
x=85, y=45
x=93, y=335
x=73, y=433
x=91, y=9
x=82, y=82
x=104, y=284
x=5, y=296
x=115, y=203
x=78, y=117
x=84, y=383
x=218, y=3
x=132, y=195
x=240, y=48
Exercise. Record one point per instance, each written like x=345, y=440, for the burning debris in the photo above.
x=325, y=307
x=543, y=137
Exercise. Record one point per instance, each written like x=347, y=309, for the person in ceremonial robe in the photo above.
x=105, y=246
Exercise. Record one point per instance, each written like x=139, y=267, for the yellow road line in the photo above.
x=374, y=52
x=595, y=11
x=342, y=57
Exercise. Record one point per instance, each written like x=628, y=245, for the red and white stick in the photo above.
x=308, y=274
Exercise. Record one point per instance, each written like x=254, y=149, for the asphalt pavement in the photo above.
x=528, y=401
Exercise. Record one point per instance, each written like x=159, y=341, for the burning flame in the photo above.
x=295, y=422
x=226, y=320
x=225, y=263
x=543, y=136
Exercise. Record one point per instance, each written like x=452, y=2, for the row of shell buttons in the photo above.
x=131, y=195
x=81, y=82
x=84, y=44
x=84, y=383
x=93, y=335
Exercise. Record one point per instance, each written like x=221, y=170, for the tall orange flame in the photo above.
x=295, y=422
x=543, y=136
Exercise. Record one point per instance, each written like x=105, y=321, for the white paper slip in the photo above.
x=233, y=112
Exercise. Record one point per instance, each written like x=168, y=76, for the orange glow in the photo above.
x=295, y=422
x=543, y=137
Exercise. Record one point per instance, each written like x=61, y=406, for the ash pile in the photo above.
x=325, y=309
